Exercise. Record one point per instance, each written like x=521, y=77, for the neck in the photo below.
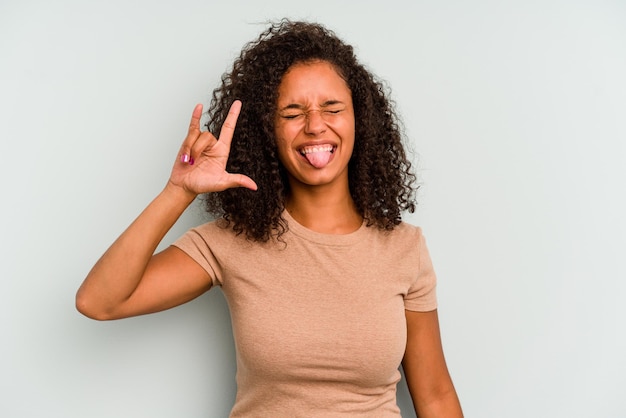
x=324, y=211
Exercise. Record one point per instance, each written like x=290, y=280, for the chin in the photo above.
x=321, y=178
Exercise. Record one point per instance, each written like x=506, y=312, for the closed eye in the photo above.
x=293, y=112
x=292, y=116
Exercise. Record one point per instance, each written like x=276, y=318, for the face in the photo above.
x=314, y=125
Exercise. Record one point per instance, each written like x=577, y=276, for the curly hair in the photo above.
x=379, y=173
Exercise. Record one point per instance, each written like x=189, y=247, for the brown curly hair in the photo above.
x=380, y=177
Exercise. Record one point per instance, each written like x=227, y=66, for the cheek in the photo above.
x=286, y=131
x=345, y=129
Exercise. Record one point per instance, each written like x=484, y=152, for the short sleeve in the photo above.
x=195, y=245
x=422, y=296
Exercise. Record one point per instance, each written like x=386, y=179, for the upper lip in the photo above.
x=317, y=143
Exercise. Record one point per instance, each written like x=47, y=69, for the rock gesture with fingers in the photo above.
x=201, y=163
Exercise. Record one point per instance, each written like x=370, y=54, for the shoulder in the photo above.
x=403, y=233
x=216, y=232
x=217, y=226
x=219, y=236
x=406, y=228
x=404, y=241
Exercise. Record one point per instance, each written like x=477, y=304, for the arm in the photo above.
x=128, y=279
x=425, y=368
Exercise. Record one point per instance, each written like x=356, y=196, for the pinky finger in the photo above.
x=192, y=135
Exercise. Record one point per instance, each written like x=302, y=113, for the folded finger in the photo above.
x=205, y=140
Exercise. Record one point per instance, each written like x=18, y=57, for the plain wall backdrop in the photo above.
x=515, y=111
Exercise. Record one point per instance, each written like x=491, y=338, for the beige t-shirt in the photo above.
x=318, y=319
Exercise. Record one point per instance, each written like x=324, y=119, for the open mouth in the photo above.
x=318, y=155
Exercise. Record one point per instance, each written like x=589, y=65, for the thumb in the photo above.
x=241, y=180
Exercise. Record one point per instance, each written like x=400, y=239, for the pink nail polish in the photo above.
x=184, y=158
x=191, y=161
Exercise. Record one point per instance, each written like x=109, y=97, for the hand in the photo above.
x=201, y=163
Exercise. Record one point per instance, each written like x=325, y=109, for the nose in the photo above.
x=315, y=123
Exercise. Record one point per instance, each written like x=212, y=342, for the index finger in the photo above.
x=194, y=125
x=228, y=128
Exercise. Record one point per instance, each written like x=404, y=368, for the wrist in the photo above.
x=178, y=194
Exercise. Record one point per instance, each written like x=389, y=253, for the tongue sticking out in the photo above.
x=318, y=159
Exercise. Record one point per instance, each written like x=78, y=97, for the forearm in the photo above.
x=445, y=405
x=119, y=271
x=425, y=369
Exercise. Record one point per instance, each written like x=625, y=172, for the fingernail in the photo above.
x=191, y=161
x=184, y=158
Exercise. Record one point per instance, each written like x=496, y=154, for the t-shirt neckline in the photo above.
x=325, y=239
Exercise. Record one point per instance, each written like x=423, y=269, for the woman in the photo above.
x=328, y=290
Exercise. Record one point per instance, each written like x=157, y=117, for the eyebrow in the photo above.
x=299, y=106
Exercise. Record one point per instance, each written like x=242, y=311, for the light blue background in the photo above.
x=516, y=112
